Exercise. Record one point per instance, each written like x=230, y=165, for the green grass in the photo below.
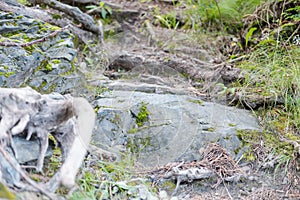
x=225, y=15
x=275, y=71
x=109, y=180
x=271, y=70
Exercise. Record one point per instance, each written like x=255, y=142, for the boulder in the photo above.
x=175, y=129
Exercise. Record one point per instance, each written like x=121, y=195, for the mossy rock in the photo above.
x=47, y=66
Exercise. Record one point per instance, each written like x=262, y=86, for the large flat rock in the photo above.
x=178, y=126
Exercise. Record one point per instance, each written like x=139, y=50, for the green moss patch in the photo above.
x=143, y=115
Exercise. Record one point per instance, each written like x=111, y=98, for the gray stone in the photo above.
x=27, y=150
x=178, y=126
x=11, y=176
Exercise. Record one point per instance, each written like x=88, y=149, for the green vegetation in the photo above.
x=168, y=20
x=276, y=74
x=45, y=65
x=272, y=71
x=5, y=193
x=210, y=129
x=196, y=101
x=24, y=2
x=272, y=144
x=168, y=185
x=55, y=162
x=225, y=15
x=7, y=74
x=142, y=115
x=96, y=91
x=102, y=181
x=102, y=8
x=132, y=131
x=135, y=145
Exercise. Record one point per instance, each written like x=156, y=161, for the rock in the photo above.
x=11, y=177
x=145, y=87
x=28, y=150
x=47, y=66
x=178, y=126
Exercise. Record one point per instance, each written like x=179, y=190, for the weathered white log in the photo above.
x=70, y=120
x=81, y=134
